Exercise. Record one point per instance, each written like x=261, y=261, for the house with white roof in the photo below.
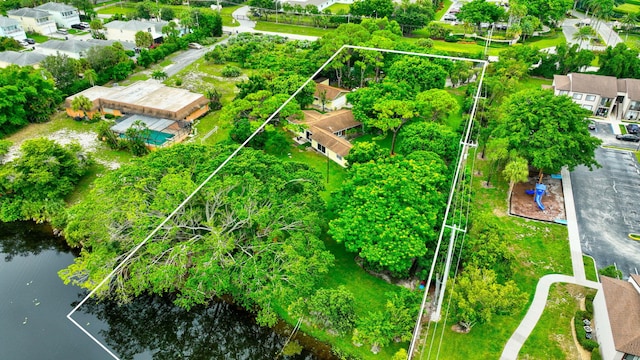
x=603, y=95
x=75, y=48
x=64, y=15
x=34, y=20
x=616, y=310
x=126, y=30
x=11, y=28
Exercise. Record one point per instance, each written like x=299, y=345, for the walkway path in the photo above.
x=513, y=346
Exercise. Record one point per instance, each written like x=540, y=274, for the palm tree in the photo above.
x=629, y=22
x=517, y=170
x=159, y=75
x=91, y=76
x=585, y=33
x=81, y=103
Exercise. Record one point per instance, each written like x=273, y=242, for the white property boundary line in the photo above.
x=235, y=152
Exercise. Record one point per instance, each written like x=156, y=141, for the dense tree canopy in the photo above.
x=549, y=131
x=34, y=185
x=251, y=233
x=388, y=210
x=372, y=8
x=27, y=96
x=620, y=61
x=480, y=11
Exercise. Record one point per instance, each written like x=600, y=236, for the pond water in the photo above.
x=34, y=303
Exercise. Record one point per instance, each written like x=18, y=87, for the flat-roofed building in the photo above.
x=150, y=98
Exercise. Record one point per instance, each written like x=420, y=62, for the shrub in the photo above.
x=231, y=71
x=595, y=354
x=589, y=303
x=451, y=38
x=109, y=116
x=178, y=82
x=587, y=344
x=611, y=271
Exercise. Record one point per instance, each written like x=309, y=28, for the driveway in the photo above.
x=606, y=202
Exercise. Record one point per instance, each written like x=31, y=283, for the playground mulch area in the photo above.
x=524, y=205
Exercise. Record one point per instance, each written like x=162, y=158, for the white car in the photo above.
x=195, y=46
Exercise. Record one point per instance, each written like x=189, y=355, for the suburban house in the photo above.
x=11, y=28
x=617, y=318
x=27, y=58
x=75, y=48
x=150, y=98
x=34, y=20
x=334, y=98
x=603, y=95
x=64, y=15
x=126, y=30
x=327, y=133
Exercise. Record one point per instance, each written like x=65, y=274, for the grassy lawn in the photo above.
x=337, y=7
x=166, y=62
x=227, y=15
x=121, y=8
x=590, y=268
x=37, y=37
x=628, y=8
x=632, y=40
x=291, y=29
x=459, y=47
x=546, y=41
x=552, y=337
x=533, y=83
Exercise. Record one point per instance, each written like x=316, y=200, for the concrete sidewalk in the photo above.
x=518, y=338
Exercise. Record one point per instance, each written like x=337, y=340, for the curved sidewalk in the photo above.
x=513, y=346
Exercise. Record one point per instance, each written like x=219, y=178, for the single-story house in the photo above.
x=603, y=95
x=64, y=15
x=617, y=318
x=34, y=20
x=126, y=30
x=334, y=98
x=11, y=28
x=26, y=58
x=150, y=98
x=162, y=132
x=327, y=133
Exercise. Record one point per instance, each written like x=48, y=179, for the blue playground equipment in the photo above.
x=540, y=190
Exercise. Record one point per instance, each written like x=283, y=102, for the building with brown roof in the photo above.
x=329, y=98
x=617, y=318
x=328, y=133
x=603, y=95
x=150, y=98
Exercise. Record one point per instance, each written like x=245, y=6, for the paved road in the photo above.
x=607, y=209
x=609, y=36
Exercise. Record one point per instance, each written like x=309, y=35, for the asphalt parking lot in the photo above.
x=606, y=201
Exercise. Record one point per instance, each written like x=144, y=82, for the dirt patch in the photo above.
x=87, y=140
x=523, y=204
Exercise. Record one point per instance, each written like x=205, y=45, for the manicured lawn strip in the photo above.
x=552, y=337
x=471, y=48
x=632, y=40
x=590, y=268
x=37, y=37
x=291, y=29
x=227, y=15
x=533, y=83
x=337, y=7
x=440, y=13
x=165, y=62
x=628, y=8
x=545, y=41
x=122, y=8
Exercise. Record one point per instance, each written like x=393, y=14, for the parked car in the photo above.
x=450, y=17
x=63, y=32
x=79, y=27
x=592, y=125
x=633, y=128
x=23, y=42
x=628, y=137
x=85, y=24
x=195, y=46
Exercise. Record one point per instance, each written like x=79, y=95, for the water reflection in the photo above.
x=153, y=326
x=27, y=238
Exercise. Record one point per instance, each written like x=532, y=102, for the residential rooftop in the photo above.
x=6, y=22
x=21, y=58
x=57, y=7
x=29, y=13
x=623, y=306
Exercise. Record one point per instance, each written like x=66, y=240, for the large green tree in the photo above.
x=388, y=210
x=620, y=61
x=548, y=131
x=480, y=11
x=34, y=185
x=372, y=8
x=27, y=95
x=419, y=73
x=251, y=233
